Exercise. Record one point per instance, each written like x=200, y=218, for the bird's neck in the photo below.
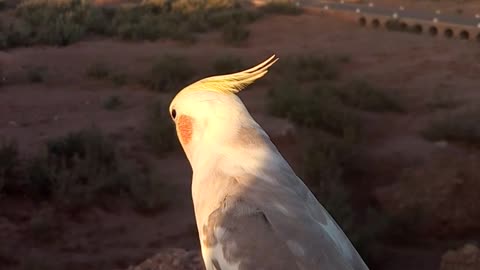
x=217, y=163
x=242, y=150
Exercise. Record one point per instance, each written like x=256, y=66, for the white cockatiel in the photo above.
x=252, y=211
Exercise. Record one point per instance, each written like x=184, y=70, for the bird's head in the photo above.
x=208, y=113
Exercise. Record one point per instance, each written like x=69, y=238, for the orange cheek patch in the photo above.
x=184, y=127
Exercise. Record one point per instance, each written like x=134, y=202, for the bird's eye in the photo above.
x=174, y=114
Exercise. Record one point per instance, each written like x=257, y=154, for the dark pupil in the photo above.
x=174, y=114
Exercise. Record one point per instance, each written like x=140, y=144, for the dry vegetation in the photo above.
x=329, y=113
x=341, y=122
x=63, y=22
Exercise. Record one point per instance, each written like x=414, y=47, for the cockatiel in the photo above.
x=252, y=211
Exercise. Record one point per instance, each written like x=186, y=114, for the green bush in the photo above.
x=306, y=68
x=36, y=74
x=177, y=20
x=325, y=156
x=443, y=99
x=149, y=193
x=192, y=6
x=282, y=7
x=88, y=143
x=460, y=126
x=60, y=32
x=235, y=34
x=221, y=18
x=40, y=178
x=59, y=22
x=35, y=261
x=9, y=162
x=152, y=22
x=98, y=21
x=324, y=163
x=62, y=22
x=228, y=64
x=160, y=131
x=132, y=26
x=362, y=95
x=317, y=108
x=344, y=58
x=76, y=168
x=113, y=103
x=98, y=71
x=15, y=34
x=119, y=79
x=169, y=73
x=43, y=226
x=83, y=168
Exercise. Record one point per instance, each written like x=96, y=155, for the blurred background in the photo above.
x=382, y=124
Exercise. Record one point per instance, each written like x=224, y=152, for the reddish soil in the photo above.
x=415, y=67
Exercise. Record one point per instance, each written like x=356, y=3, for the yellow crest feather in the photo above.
x=235, y=82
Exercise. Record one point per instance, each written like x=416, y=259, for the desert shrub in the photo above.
x=317, y=108
x=15, y=34
x=9, y=162
x=80, y=169
x=227, y=64
x=443, y=99
x=58, y=22
x=284, y=99
x=362, y=95
x=232, y=16
x=112, y=103
x=60, y=32
x=184, y=35
x=36, y=74
x=325, y=156
x=191, y=6
x=35, y=261
x=149, y=193
x=75, y=169
x=62, y=22
x=98, y=21
x=460, y=126
x=168, y=73
x=344, y=58
x=43, y=225
x=40, y=178
x=119, y=79
x=309, y=68
x=98, y=71
x=324, y=164
x=147, y=23
x=88, y=143
x=159, y=130
x=102, y=71
x=3, y=41
x=178, y=20
x=235, y=34
x=133, y=24
x=282, y=7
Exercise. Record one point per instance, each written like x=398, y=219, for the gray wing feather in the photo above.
x=275, y=222
x=247, y=238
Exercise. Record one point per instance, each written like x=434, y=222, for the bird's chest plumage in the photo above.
x=208, y=194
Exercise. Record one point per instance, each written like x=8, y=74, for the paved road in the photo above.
x=463, y=20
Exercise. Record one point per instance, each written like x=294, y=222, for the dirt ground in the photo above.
x=413, y=66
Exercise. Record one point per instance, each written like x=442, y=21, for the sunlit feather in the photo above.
x=232, y=83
